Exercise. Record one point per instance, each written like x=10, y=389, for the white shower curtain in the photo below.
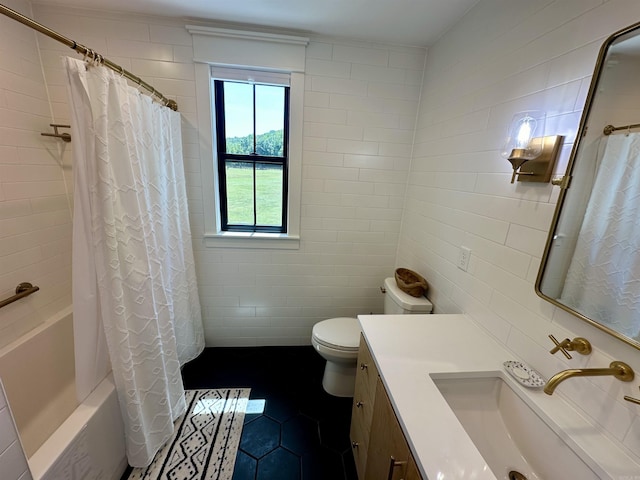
x=134, y=286
x=603, y=280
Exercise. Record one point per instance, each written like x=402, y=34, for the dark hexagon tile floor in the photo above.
x=302, y=433
x=280, y=463
x=260, y=437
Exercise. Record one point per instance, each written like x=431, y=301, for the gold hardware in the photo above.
x=23, y=289
x=392, y=465
x=540, y=168
x=515, y=475
x=562, y=181
x=632, y=399
x=619, y=370
x=579, y=344
x=172, y=104
x=65, y=137
x=609, y=129
x=363, y=366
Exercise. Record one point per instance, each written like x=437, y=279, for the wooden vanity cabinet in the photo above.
x=412, y=470
x=380, y=449
x=362, y=409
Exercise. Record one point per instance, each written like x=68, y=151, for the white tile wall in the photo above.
x=359, y=161
x=13, y=463
x=360, y=109
x=501, y=58
x=35, y=215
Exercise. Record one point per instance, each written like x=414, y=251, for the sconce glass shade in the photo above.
x=524, y=140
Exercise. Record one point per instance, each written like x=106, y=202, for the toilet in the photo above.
x=337, y=339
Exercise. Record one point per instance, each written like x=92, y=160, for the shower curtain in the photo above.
x=603, y=280
x=134, y=286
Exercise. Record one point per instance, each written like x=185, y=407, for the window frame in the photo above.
x=264, y=52
x=224, y=158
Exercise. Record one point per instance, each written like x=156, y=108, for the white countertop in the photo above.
x=407, y=349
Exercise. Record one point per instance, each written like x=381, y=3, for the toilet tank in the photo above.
x=396, y=302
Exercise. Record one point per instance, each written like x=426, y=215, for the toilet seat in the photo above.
x=342, y=333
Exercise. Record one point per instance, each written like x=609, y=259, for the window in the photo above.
x=252, y=133
x=269, y=62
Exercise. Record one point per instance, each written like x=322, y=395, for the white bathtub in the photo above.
x=62, y=440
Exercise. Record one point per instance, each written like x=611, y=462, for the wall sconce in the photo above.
x=532, y=155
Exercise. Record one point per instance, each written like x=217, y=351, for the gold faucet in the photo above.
x=620, y=370
x=578, y=344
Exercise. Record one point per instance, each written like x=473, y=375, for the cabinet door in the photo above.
x=359, y=446
x=388, y=454
x=362, y=409
x=364, y=395
x=367, y=371
x=412, y=470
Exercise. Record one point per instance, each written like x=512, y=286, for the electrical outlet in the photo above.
x=463, y=258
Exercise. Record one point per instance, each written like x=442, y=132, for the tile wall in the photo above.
x=35, y=214
x=13, y=463
x=505, y=57
x=360, y=109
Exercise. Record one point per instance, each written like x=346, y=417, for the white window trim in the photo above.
x=259, y=51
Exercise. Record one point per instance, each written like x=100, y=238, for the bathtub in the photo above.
x=61, y=438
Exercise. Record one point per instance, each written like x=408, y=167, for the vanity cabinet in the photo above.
x=412, y=470
x=388, y=457
x=362, y=409
x=380, y=449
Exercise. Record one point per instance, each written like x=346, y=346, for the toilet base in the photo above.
x=339, y=379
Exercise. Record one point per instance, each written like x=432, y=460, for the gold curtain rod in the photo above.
x=81, y=49
x=609, y=129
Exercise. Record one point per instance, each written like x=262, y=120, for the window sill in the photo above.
x=252, y=240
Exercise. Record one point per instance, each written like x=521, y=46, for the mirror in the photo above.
x=591, y=263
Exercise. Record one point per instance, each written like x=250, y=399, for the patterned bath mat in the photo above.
x=205, y=441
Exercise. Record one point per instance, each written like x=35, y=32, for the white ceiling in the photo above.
x=407, y=22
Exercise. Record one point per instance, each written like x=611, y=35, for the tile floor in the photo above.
x=303, y=432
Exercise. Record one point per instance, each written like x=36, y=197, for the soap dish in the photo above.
x=524, y=374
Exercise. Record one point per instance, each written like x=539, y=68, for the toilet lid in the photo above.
x=342, y=333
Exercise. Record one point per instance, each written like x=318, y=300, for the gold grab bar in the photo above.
x=90, y=54
x=23, y=290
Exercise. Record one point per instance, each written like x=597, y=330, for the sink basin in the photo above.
x=509, y=435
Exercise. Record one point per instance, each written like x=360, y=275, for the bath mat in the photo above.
x=205, y=441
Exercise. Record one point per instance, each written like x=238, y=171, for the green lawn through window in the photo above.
x=240, y=194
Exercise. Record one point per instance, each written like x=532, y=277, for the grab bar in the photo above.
x=64, y=136
x=23, y=290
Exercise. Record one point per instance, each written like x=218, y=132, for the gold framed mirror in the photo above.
x=591, y=261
